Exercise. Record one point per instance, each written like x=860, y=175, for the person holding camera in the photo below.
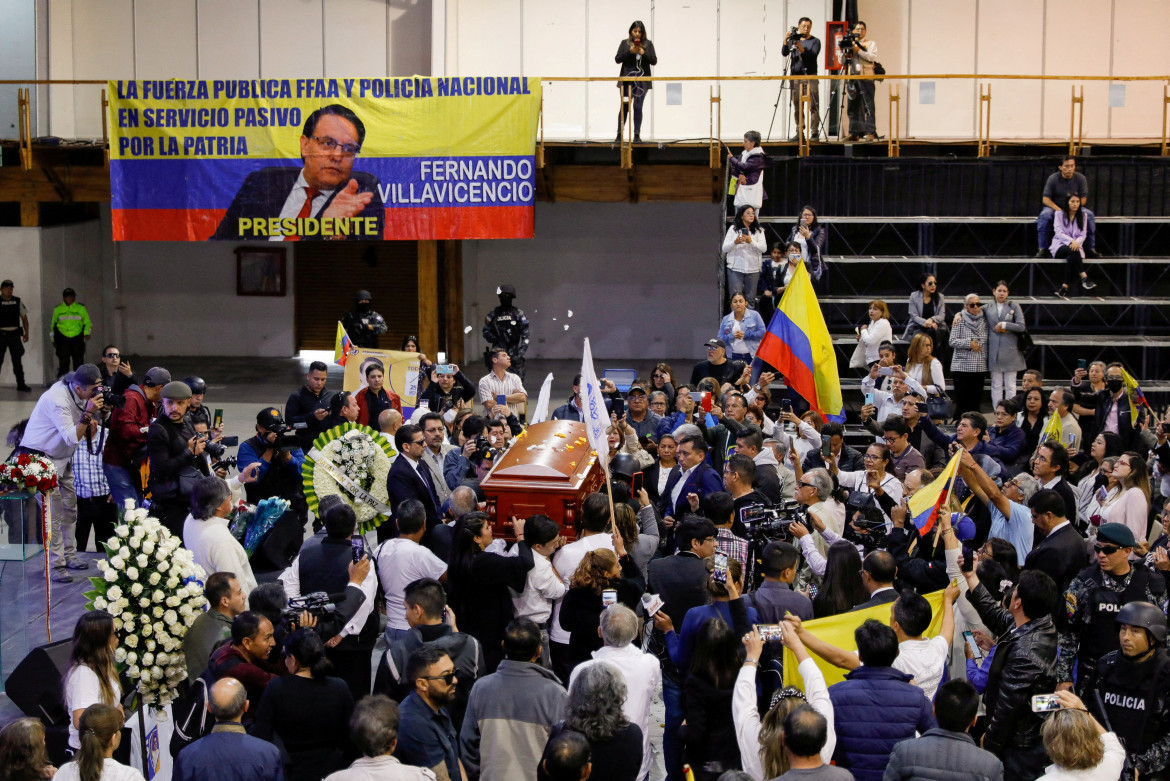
x=859, y=55
x=275, y=447
x=802, y=49
x=116, y=373
x=451, y=389
x=126, y=446
x=66, y=412
x=175, y=452
x=339, y=565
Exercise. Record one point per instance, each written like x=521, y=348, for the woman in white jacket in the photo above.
x=761, y=748
x=744, y=245
x=1080, y=748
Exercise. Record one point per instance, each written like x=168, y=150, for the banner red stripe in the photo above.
x=439, y=223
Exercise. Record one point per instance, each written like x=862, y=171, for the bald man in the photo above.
x=461, y=502
x=389, y=421
x=228, y=753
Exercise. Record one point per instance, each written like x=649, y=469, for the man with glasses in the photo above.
x=409, y=478
x=65, y=415
x=324, y=199
x=426, y=736
x=1011, y=519
x=896, y=435
x=116, y=373
x=1093, y=600
x=1061, y=553
x=716, y=365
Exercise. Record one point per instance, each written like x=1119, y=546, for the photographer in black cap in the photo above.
x=175, y=463
x=276, y=449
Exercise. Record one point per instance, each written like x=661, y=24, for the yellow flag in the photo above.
x=1133, y=393
x=1053, y=429
x=838, y=631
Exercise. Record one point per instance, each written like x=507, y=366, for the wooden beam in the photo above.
x=453, y=299
x=30, y=214
x=428, y=297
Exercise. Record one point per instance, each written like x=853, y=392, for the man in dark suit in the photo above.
x=1061, y=554
x=409, y=478
x=877, y=573
x=325, y=188
x=1050, y=466
x=695, y=476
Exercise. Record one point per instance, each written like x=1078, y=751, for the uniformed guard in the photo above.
x=13, y=331
x=1093, y=600
x=507, y=327
x=362, y=323
x=1132, y=691
x=69, y=331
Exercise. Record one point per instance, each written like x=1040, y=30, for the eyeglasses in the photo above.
x=447, y=677
x=113, y=355
x=807, y=485
x=418, y=441
x=891, y=440
x=1108, y=550
x=976, y=305
x=329, y=144
x=868, y=456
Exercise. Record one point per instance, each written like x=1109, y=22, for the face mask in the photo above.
x=363, y=306
x=794, y=258
x=1114, y=384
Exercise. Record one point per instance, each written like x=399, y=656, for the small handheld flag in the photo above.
x=342, y=346
x=927, y=503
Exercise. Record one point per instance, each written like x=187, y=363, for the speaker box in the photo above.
x=36, y=685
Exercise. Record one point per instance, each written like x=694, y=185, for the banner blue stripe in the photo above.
x=791, y=334
x=213, y=183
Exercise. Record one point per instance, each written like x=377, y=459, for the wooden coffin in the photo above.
x=549, y=470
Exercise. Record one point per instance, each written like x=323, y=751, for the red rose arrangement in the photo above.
x=28, y=472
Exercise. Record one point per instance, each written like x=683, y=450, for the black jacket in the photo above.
x=631, y=63
x=924, y=570
x=681, y=581
x=1024, y=664
x=1061, y=554
x=481, y=600
x=709, y=732
x=170, y=458
x=581, y=610
x=299, y=409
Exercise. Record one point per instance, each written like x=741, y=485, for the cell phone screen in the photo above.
x=619, y=407
x=976, y=651
x=637, y=483
x=357, y=548
x=869, y=398
x=1081, y=363
x=826, y=447
x=921, y=407
x=706, y=404
x=786, y=405
x=501, y=399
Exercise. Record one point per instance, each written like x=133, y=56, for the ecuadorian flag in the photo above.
x=342, y=347
x=799, y=346
x=927, y=503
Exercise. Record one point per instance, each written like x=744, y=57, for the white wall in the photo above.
x=743, y=38
x=215, y=39
x=179, y=298
x=80, y=256
x=21, y=250
x=627, y=272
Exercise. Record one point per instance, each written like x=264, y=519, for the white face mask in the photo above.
x=794, y=258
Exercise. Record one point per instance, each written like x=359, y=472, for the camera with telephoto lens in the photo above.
x=286, y=438
x=794, y=33
x=862, y=511
x=217, y=449
x=318, y=604
x=111, y=399
x=484, y=450
x=774, y=523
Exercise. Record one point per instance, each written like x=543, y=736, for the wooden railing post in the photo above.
x=895, y=143
x=984, y=121
x=1076, y=121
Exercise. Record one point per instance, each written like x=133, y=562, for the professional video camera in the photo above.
x=794, y=33
x=848, y=40
x=318, y=604
x=226, y=463
x=773, y=523
x=862, y=511
x=110, y=399
x=286, y=438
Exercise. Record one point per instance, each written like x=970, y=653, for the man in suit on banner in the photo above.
x=324, y=193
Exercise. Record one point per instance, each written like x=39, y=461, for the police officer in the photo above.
x=69, y=331
x=1132, y=693
x=362, y=323
x=506, y=327
x=196, y=412
x=1093, y=600
x=13, y=331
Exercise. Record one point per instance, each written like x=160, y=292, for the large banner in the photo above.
x=323, y=159
x=402, y=377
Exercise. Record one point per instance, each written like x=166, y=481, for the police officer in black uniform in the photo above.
x=506, y=327
x=1132, y=691
x=362, y=323
x=1093, y=600
x=13, y=331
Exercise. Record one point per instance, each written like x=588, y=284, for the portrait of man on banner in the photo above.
x=325, y=199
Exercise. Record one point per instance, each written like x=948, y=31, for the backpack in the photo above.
x=189, y=711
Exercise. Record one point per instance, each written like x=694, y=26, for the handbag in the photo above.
x=940, y=406
x=750, y=195
x=1024, y=342
x=878, y=70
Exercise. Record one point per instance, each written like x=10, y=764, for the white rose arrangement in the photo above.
x=150, y=620
x=362, y=455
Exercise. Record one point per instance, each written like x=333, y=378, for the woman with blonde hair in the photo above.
x=921, y=365
x=601, y=571
x=101, y=734
x=1079, y=747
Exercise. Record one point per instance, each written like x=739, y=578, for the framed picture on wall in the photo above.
x=260, y=272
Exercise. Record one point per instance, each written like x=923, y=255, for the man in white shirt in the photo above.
x=206, y=533
x=501, y=382
x=401, y=561
x=62, y=416
x=594, y=519
x=619, y=627
x=543, y=585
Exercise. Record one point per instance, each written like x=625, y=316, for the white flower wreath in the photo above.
x=364, y=457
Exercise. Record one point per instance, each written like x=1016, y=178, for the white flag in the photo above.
x=592, y=403
x=541, y=412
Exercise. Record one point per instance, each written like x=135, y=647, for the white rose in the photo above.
x=144, y=602
x=114, y=609
x=147, y=630
x=161, y=555
x=114, y=592
x=170, y=617
x=141, y=560
x=132, y=641
x=156, y=671
x=103, y=565
x=185, y=611
x=148, y=658
x=118, y=625
x=111, y=576
x=157, y=612
x=136, y=589
x=123, y=603
x=173, y=601
x=100, y=604
x=122, y=531
x=128, y=506
x=163, y=566
x=133, y=671
x=130, y=626
x=154, y=578
x=120, y=655
x=124, y=552
x=158, y=596
x=148, y=547
x=172, y=583
x=144, y=678
x=150, y=645
x=132, y=573
x=131, y=657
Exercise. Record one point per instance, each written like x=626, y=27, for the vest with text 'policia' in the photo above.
x=10, y=314
x=1133, y=695
x=1104, y=605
